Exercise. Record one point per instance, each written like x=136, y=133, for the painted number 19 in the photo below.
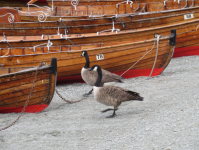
x=100, y=57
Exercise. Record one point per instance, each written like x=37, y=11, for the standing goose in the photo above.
x=90, y=77
x=111, y=95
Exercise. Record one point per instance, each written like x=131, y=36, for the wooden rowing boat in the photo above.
x=16, y=86
x=187, y=38
x=172, y=3
x=95, y=25
x=83, y=12
x=92, y=9
x=116, y=58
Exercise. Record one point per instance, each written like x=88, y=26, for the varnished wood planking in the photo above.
x=95, y=25
x=69, y=62
x=17, y=88
x=34, y=100
x=24, y=92
x=67, y=57
x=120, y=37
x=7, y=85
x=24, y=86
x=9, y=78
x=13, y=100
x=6, y=15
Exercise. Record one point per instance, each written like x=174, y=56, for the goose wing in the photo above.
x=110, y=77
x=121, y=93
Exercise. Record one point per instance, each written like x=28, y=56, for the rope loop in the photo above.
x=11, y=17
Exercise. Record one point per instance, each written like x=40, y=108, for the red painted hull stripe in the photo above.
x=186, y=51
x=29, y=109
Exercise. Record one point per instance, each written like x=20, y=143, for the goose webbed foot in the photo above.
x=113, y=115
x=87, y=94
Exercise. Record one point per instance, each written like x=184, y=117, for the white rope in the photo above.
x=11, y=18
x=49, y=44
x=112, y=30
x=5, y=55
x=127, y=2
x=74, y=3
x=138, y=60
x=158, y=37
x=197, y=27
x=41, y=17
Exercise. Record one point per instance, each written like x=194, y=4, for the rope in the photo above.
x=68, y=101
x=11, y=18
x=138, y=60
x=26, y=103
x=49, y=44
x=158, y=37
x=5, y=54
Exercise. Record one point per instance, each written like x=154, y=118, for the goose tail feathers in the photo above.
x=136, y=96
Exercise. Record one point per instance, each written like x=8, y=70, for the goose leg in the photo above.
x=87, y=94
x=113, y=115
x=108, y=110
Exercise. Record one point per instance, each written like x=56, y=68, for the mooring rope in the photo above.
x=68, y=101
x=138, y=60
x=158, y=38
x=26, y=103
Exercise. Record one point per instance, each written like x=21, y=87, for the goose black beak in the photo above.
x=89, y=69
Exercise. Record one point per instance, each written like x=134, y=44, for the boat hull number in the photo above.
x=100, y=57
x=188, y=16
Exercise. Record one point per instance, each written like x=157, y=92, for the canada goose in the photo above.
x=111, y=95
x=91, y=76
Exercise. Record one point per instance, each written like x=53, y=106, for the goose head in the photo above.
x=85, y=54
x=98, y=69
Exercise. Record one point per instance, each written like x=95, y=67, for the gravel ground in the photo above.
x=167, y=119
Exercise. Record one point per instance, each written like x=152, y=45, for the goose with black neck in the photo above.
x=111, y=95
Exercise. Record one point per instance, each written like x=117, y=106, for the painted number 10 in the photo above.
x=100, y=57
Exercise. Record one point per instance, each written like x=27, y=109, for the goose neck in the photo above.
x=99, y=78
x=87, y=61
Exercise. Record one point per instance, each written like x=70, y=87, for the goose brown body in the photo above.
x=114, y=96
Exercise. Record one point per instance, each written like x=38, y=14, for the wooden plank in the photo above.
x=80, y=11
x=23, y=87
x=23, y=92
x=36, y=98
x=95, y=10
x=22, y=76
x=7, y=85
x=64, y=11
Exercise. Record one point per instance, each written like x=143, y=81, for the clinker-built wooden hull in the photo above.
x=16, y=86
x=187, y=37
x=100, y=24
x=116, y=58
